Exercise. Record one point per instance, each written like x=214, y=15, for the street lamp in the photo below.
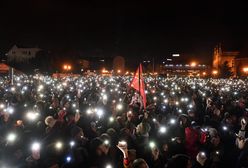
x=193, y=64
x=67, y=67
x=215, y=72
x=245, y=69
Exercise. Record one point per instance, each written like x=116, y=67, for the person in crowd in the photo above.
x=91, y=121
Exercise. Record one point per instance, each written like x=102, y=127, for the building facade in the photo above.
x=18, y=54
x=233, y=58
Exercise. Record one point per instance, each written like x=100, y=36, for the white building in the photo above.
x=17, y=54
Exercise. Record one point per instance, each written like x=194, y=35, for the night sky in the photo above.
x=133, y=29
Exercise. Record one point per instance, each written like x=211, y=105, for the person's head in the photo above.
x=215, y=140
x=77, y=133
x=191, y=113
x=50, y=121
x=140, y=163
x=93, y=126
x=129, y=115
x=55, y=103
x=66, y=104
x=111, y=132
x=106, y=139
x=98, y=148
x=165, y=147
x=183, y=120
x=143, y=128
x=6, y=117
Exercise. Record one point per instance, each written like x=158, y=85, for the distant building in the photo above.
x=18, y=54
x=185, y=70
x=233, y=58
x=119, y=64
x=85, y=64
x=241, y=64
x=4, y=68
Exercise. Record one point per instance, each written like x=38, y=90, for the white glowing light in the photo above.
x=123, y=143
x=89, y=111
x=109, y=166
x=35, y=146
x=152, y=144
x=225, y=128
x=203, y=154
x=73, y=105
x=162, y=129
x=72, y=143
x=40, y=87
x=106, y=142
x=2, y=106
x=10, y=110
x=111, y=119
x=104, y=97
x=172, y=121
x=12, y=89
x=58, y=145
x=11, y=137
x=99, y=112
x=119, y=107
x=32, y=115
x=68, y=158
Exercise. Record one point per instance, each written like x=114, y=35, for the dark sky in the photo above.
x=133, y=29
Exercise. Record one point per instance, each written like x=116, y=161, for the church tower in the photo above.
x=217, y=57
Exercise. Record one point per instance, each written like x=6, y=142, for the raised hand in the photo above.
x=122, y=145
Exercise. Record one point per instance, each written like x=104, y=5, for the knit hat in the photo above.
x=212, y=132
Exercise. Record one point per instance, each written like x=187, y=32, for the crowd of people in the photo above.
x=100, y=122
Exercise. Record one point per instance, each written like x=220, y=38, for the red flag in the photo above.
x=138, y=84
